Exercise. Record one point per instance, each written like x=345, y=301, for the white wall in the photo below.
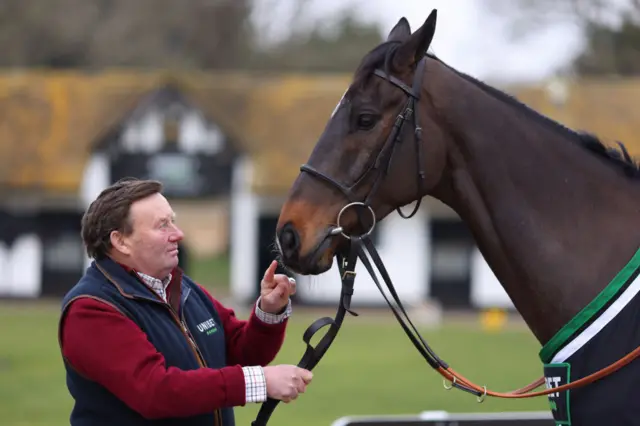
x=95, y=178
x=21, y=267
x=244, y=233
x=403, y=246
x=486, y=290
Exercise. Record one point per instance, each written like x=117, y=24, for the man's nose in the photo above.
x=177, y=235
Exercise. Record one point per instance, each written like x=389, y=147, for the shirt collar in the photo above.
x=155, y=284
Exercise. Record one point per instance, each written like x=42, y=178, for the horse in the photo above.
x=551, y=209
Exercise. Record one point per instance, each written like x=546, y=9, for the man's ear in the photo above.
x=401, y=32
x=119, y=242
x=416, y=46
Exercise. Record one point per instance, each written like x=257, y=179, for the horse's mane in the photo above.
x=382, y=56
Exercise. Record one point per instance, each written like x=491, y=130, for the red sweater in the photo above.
x=110, y=349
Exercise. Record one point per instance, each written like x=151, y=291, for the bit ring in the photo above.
x=340, y=230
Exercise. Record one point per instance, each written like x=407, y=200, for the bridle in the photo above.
x=360, y=245
x=384, y=159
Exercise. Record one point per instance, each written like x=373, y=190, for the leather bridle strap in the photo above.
x=313, y=355
x=383, y=161
x=410, y=114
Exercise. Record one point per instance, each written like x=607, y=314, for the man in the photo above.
x=143, y=344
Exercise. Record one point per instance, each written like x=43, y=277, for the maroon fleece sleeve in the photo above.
x=105, y=346
x=249, y=342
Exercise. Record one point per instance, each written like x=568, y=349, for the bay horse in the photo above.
x=552, y=211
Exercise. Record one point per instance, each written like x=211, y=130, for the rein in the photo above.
x=456, y=379
x=358, y=248
x=313, y=355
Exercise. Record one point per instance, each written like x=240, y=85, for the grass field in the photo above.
x=372, y=368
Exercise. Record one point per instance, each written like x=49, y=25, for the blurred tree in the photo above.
x=610, y=51
x=336, y=44
x=611, y=29
x=109, y=33
x=204, y=34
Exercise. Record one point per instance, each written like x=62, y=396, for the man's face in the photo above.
x=153, y=245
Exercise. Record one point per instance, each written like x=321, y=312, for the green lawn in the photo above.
x=372, y=368
x=211, y=272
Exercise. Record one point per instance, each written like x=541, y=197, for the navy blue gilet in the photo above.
x=106, y=280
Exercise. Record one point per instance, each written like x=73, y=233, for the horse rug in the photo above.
x=603, y=332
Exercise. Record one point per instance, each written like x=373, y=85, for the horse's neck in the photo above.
x=551, y=219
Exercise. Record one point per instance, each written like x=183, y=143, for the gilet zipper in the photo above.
x=196, y=350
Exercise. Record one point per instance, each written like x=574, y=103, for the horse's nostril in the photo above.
x=289, y=241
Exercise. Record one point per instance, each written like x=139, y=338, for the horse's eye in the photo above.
x=367, y=121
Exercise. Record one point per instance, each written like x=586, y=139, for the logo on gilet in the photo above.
x=209, y=327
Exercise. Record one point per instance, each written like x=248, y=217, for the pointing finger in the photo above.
x=271, y=270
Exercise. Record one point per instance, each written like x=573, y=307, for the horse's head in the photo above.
x=369, y=152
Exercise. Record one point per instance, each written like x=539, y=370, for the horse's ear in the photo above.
x=415, y=47
x=401, y=32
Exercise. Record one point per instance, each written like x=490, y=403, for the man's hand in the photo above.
x=275, y=290
x=286, y=382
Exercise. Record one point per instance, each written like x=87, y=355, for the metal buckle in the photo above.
x=352, y=273
x=340, y=230
x=482, y=397
x=449, y=387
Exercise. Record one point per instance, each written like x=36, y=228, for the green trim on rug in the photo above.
x=585, y=315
